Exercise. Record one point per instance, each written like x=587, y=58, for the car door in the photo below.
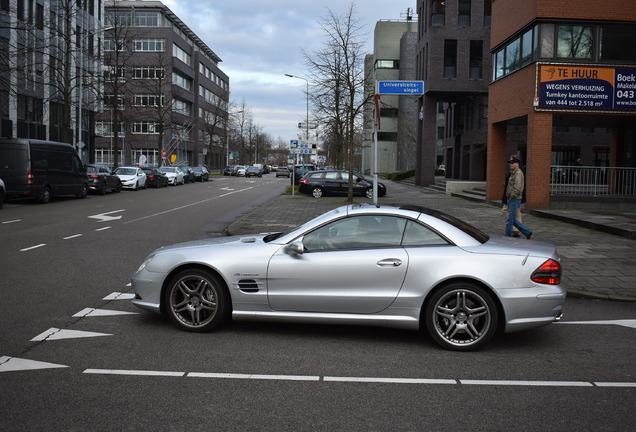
x=346, y=268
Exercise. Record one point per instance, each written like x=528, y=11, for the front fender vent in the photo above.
x=248, y=285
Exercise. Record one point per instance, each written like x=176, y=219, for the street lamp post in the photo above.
x=307, y=82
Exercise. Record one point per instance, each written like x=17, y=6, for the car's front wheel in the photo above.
x=316, y=192
x=461, y=316
x=197, y=300
x=369, y=193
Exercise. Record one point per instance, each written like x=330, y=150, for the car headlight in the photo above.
x=145, y=263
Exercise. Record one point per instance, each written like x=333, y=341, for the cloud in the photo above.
x=260, y=41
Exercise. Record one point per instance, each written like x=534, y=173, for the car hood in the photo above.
x=126, y=176
x=213, y=241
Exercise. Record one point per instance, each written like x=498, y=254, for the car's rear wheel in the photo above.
x=316, y=192
x=461, y=316
x=369, y=193
x=197, y=300
x=45, y=196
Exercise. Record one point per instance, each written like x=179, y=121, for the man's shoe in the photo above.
x=516, y=234
x=529, y=235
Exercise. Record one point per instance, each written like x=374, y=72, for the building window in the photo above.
x=527, y=47
x=148, y=100
x=438, y=13
x=181, y=107
x=476, y=59
x=487, y=13
x=387, y=64
x=146, y=19
x=450, y=58
x=144, y=127
x=613, y=40
x=181, y=54
x=181, y=81
x=463, y=15
x=112, y=73
x=117, y=18
x=149, y=44
x=111, y=44
x=148, y=72
x=513, y=56
x=109, y=102
x=575, y=42
x=387, y=136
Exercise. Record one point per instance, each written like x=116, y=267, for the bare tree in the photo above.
x=338, y=94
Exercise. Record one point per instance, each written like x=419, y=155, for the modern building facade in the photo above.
x=454, y=62
x=49, y=70
x=165, y=97
x=393, y=58
x=563, y=98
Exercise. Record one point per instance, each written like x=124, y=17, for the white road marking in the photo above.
x=631, y=323
x=119, y=296
x=187, y=205
x=33, y=247
x=104, y=217
x=92, y=312
x=132, y=372
x=12, y=221
x=254, y=376
x=59, y=334
x=103, y=228
x=316, y=378
x=72, y=237
x=391, y=380
x=11, y=364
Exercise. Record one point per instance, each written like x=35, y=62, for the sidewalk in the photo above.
x=598, y=249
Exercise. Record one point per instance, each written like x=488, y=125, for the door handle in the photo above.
x=390, y=262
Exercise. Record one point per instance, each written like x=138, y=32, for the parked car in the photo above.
x=319, y=183
x=300, y=170
x=188, y=174
x=155, y=178
x=282, y=172
x=239, y=170
x=101, y=179
x=201, y=173
x=174, y=174
x=131, y=177
x=406, y=267
x=228, y=170
x=253, y=171
x=41, y=169
x=2, y=193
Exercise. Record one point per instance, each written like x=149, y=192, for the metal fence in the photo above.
x=592, y=181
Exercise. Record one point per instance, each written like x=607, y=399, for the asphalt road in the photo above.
x=76, y=355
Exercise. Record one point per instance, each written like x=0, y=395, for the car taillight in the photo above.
x=151, y=176
x=549, y=273
x=30, y=178
x=93, y=176
x=305, y=181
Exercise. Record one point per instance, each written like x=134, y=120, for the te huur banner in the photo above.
x=586, y=88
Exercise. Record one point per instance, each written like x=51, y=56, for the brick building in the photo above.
x=563, y=98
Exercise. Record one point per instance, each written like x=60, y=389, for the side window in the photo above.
x=331, y=175
x=419, y=235
x=361, y=232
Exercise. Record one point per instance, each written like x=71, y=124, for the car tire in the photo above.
x=461, y=316
x=45, y=196
x=316, y=192
x=117, y=188
x=197, y=300
x=369, y=193
x=102, y=190
x=136, y=186
x=83, y=193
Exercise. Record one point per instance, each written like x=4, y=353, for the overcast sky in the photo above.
x=260, y=41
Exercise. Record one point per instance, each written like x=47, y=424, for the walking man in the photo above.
x=514, y=193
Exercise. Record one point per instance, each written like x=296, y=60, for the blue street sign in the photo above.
x=400, y=87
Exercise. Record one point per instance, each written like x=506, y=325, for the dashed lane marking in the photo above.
x=59, y=334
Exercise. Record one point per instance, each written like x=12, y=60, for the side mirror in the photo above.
x=296, y=247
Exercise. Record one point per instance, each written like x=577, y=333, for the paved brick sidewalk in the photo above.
x=595, y=264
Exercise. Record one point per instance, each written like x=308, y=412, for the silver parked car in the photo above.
x=407, y=267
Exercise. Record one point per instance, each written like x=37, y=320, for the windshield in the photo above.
x=125, y=171
x=167, y=169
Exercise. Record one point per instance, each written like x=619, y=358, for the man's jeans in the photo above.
x=513, y=205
